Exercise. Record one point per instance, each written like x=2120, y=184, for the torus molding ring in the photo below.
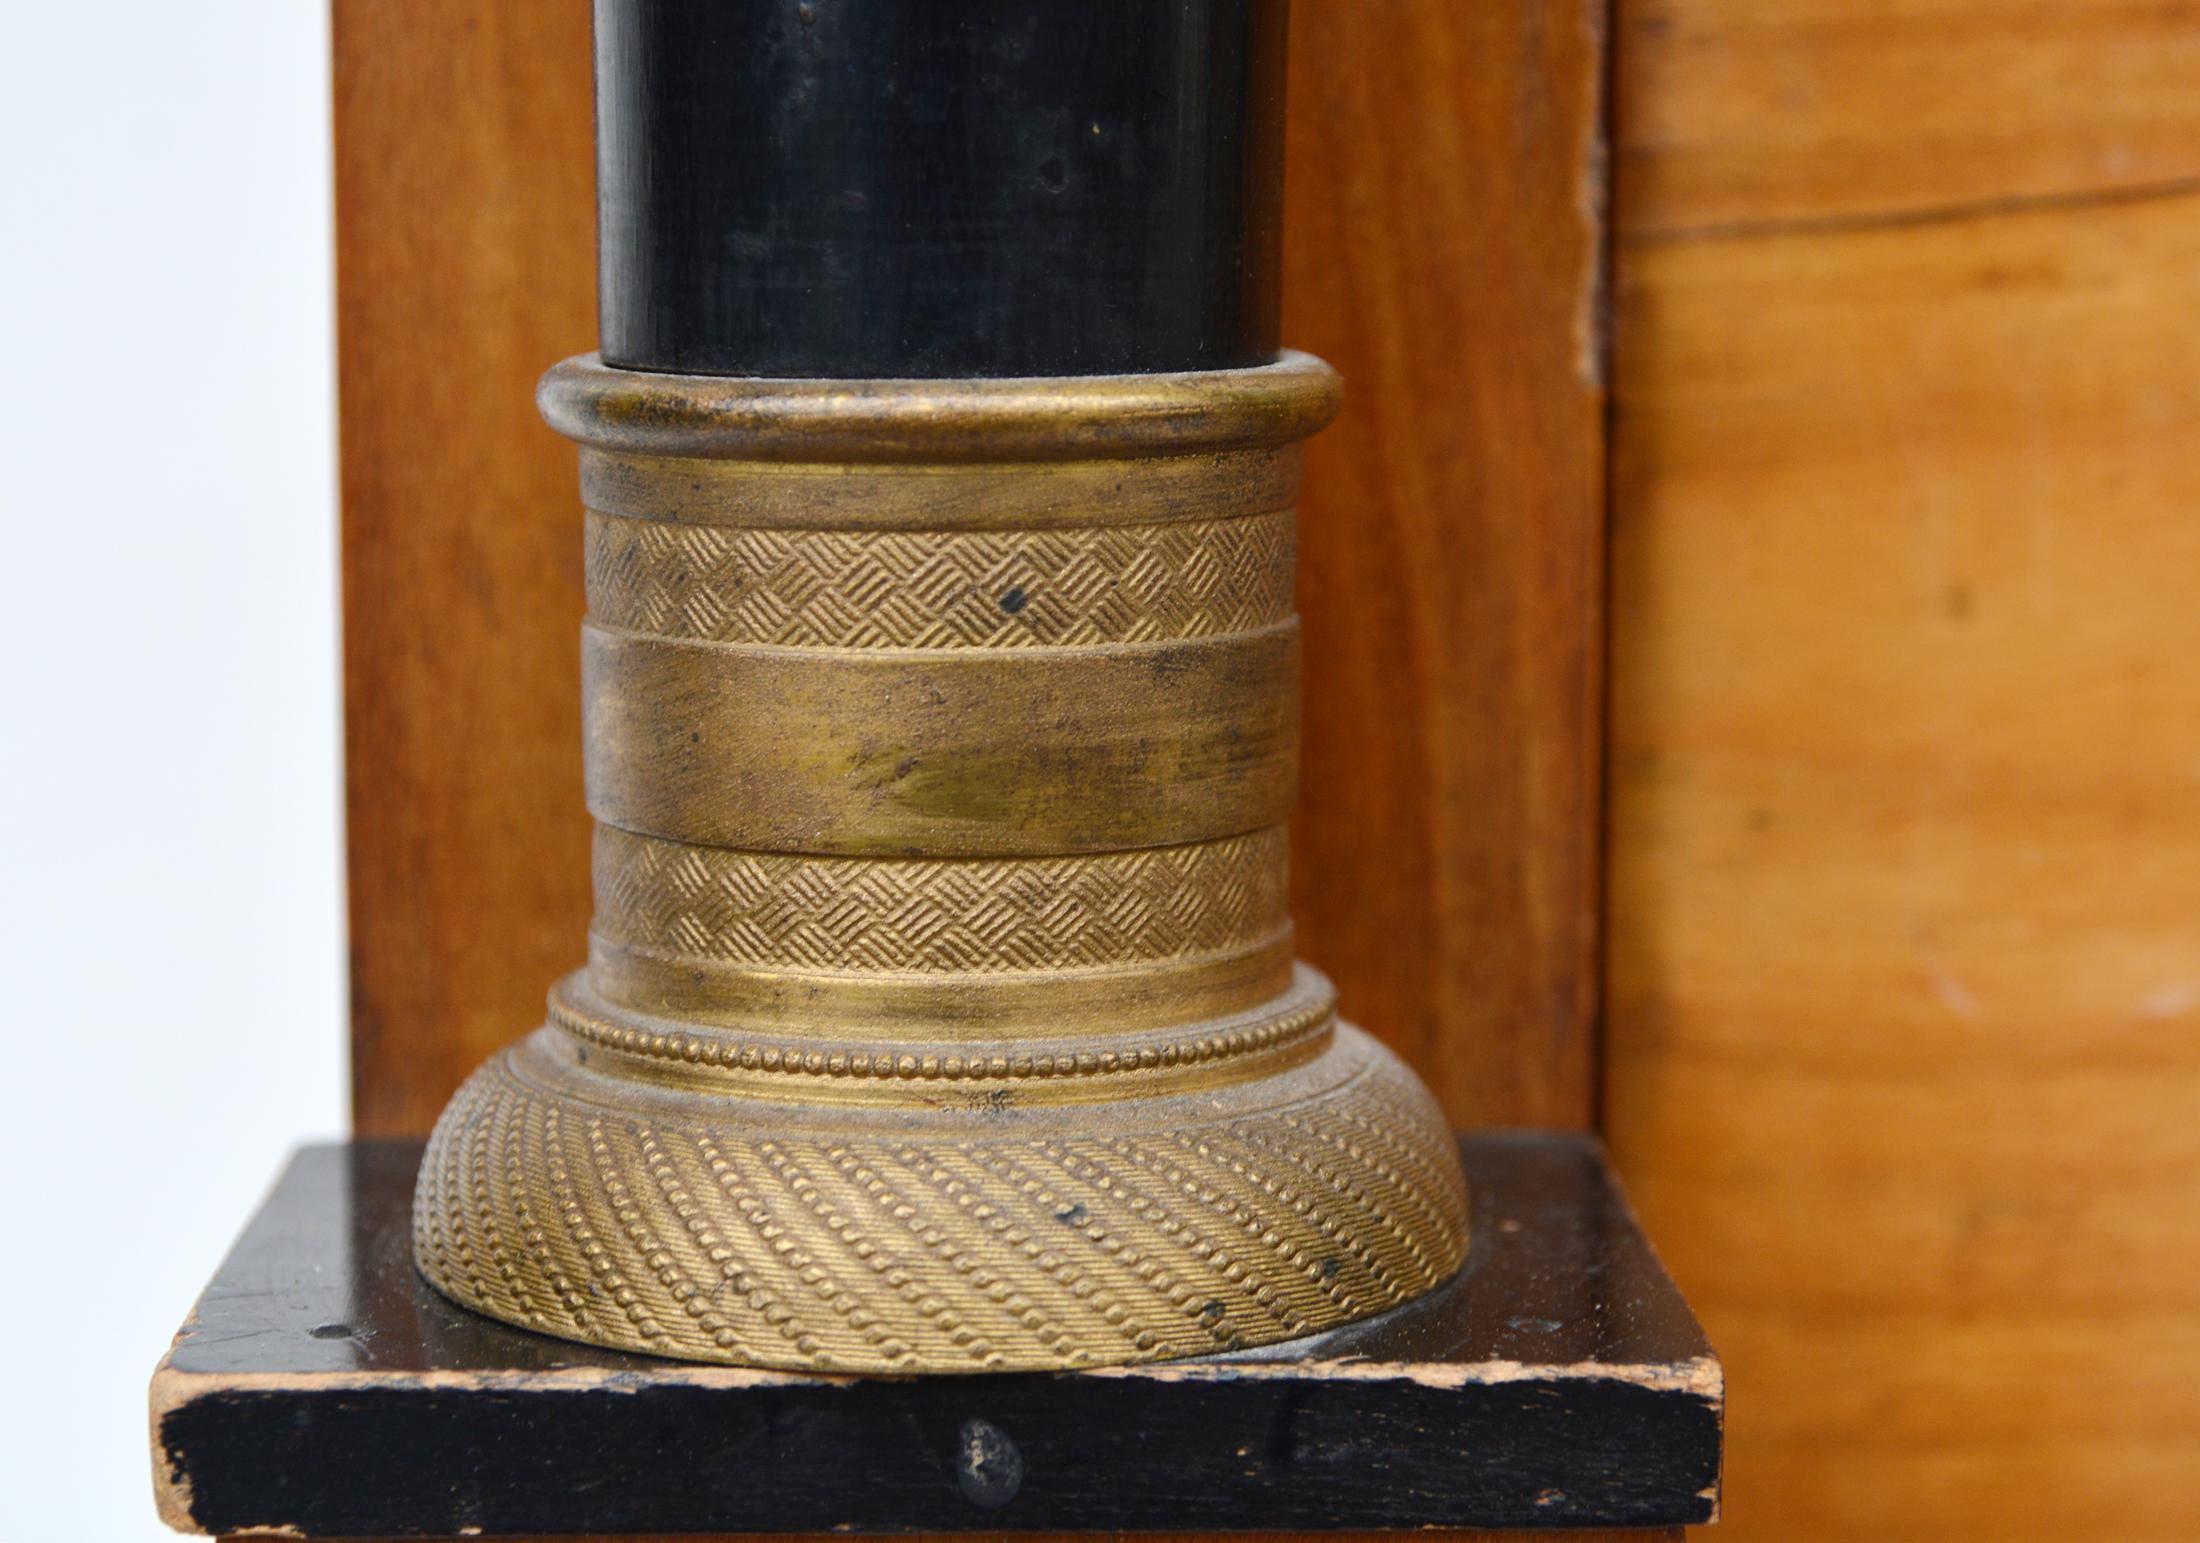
x=1082, y=417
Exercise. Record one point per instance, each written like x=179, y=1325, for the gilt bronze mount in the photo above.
x=940, y=1012
x=940, y=703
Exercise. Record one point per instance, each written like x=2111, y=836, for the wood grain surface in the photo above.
x=1742, y=112
x=1444, y=251
x=1904, y=964
x=465, y=227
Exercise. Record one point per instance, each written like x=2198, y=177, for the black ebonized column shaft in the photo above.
x=939, y=187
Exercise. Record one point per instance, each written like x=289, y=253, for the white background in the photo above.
x=171, y=923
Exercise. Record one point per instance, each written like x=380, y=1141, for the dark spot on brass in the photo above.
x=1211, y=1314
x=1014, y=600
x=1071, y=1215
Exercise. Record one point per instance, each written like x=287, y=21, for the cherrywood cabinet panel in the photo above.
x=1904, y=927
x=1744, y=112
x=1444, y=247
x=1444, y=250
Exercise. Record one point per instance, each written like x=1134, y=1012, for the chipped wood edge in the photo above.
x=172, y=1498
x=1699, y=1377
x=173, y=1388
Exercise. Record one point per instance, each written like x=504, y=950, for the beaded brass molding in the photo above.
x=940, y=1012
x=1300, y=1020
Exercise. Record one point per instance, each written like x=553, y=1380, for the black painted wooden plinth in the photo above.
x=1558, y=1382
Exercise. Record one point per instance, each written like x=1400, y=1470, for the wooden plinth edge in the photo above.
x=322, y=1390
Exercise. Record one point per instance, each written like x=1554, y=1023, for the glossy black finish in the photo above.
x=981, y=187
x=1559, y=1381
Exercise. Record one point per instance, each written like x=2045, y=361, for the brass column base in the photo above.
x=940, y=1012
x=965, y=1229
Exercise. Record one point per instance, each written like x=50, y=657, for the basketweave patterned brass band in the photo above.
x=971, y=917
x=1034, y=946
x=941, y=589
x=940, y=1011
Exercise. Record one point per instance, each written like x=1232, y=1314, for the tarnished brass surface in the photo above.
x=940, y=1012
x=955, y=752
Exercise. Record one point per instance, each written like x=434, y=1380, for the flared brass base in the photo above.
x=940, y=1012
x=959, y=1228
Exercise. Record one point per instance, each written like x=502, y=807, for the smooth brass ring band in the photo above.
x=784, y=911
x=1010, y=495
x=1075, y=586
x=914, y=1071
x=1056, y=1002
x=978, y=753
x=1076, y=417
